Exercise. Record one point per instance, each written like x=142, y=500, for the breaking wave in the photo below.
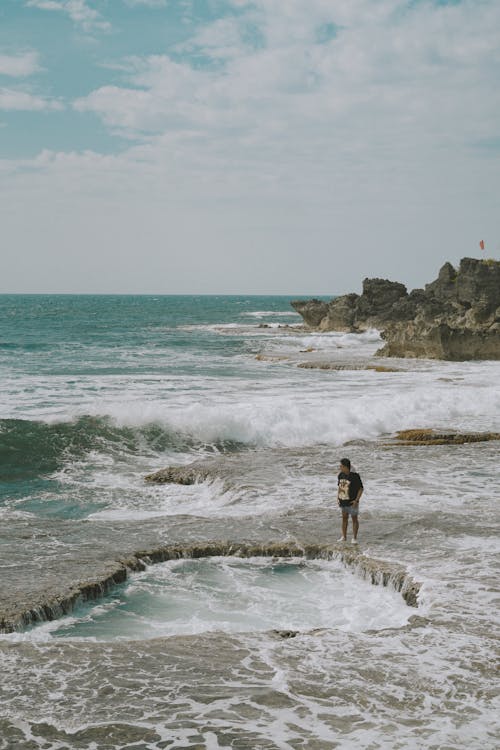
x=33, y=448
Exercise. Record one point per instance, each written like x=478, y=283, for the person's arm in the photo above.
x=358, y=496
x=359, y=493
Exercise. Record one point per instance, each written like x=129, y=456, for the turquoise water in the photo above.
x=60, y=354
x=187, y=597
x=87, y=335
x=98, y=391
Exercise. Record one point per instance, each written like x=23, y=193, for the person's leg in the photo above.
x=355, y=527
x=345, y=519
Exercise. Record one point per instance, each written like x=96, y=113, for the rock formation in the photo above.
x=430, y=436
x=312, y=310
x=456, y=317
x=18, y=615
x=189, y=474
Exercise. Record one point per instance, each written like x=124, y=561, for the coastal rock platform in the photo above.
x=430, y=436
x=54, y=586
x=190, y=690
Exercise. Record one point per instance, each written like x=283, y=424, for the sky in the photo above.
x=245, y=146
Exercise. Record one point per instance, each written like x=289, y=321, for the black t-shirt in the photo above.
x=349, y=486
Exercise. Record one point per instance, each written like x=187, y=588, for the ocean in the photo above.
x=225, y=651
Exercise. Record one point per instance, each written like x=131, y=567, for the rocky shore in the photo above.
x=456, y=317
x=21, y=608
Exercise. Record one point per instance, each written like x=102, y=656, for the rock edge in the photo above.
x=378, y=572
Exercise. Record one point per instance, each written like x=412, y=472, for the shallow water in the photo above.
x=98, y=392
x=232, y=595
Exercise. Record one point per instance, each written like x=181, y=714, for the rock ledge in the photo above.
x=377, y=571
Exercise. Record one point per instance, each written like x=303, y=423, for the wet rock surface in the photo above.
x=61, y=564
x=442, y=437
x=198, y=691
x=190, y=474
x=456, y=317
x=319, y=365
x=52, y=587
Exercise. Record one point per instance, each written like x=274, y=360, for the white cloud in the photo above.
x=149, y=3
x=19, y=65
x=388, y=62
x=222, y=39
x=14, y=100
x=268, y=149
x=166, y=93
x=77, y=10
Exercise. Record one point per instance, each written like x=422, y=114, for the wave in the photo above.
x=302, y=412
x=270, y=313
x=251, y=327
x=315, y=410
x=29, y=449
x=24, y=346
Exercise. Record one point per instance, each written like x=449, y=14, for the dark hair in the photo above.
x=345, y=462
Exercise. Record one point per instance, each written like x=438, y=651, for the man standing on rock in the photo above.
x=350, y=489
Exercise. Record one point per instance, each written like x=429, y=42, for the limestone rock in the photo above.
x=341, y=314
x=429, y=436
x=445, y=286
x=378, y=298
x=439, y=341
x=478, y=284
x=456, y=317
x=190, y=474
x=313, y=311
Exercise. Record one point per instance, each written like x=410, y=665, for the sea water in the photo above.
x=232, y=595
x=98, y=391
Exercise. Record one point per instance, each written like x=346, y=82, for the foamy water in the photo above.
x=231, y=595
x=85, y=416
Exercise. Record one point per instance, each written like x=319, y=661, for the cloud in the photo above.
x=282, y=139
x=269, y=74
x=266, y=103
x=148, y=3
x=19, y=65
x=78, y=11
x=13, y=100
x=167, y=94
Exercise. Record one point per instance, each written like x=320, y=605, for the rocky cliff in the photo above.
x=455, y=317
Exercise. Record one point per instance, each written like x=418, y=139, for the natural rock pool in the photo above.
x=229, y=594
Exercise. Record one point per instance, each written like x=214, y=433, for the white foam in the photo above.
x=156, y=501
x=306, y=407
x=438, y=514
x=338, y=340
x=186, y=597
x=237, y=329
x=270, y=314
x=321, y=413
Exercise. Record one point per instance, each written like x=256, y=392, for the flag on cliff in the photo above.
x=481, y=244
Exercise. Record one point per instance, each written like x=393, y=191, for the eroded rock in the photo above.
x=379, y=572
x=456, y=317
x=189, y=474
x=319, y=365
x=429, y=436
x=431, y=339
x=313, y=311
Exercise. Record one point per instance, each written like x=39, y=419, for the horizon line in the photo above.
x=165, y=294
